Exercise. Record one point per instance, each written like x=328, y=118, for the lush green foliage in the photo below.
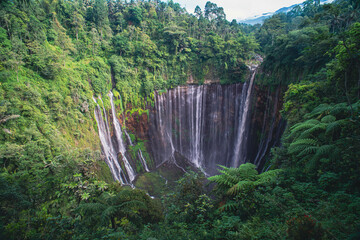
x=56, y=55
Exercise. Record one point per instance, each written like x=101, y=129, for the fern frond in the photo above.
x=224, y=169
x=335, y=126
x=302, y=126
x=233, y=177
x=328, y=119
x=307, y=151
x=268, y=177
x=295, y=149
x=324, y=150
x=221, y=180
x=314, y=129
x=217, y=179
x=229, y=206
x=247, y=171
x=240, y=186
x=339, y=108
x=304, y=141
x=301, y=144
x=322, y=108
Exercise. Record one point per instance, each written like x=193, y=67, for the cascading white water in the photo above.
x=113, y=147
x=165, y=127
x=128, y=137
x=183, y=124
x=198, y=125
x=210, y=125
x=241, y=129
x=205, y=126
x=180, y=99
x=120, y=142
x=143, y=161
x=108, y=148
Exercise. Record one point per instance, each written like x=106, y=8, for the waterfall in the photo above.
x=107, y=145
x=198, y=126
x=126, y=133
x=270, y=139
x=210, y=125
x=265, y=141
x=197, y=158
x=196, y=123
x=118, y=134
x=112, y=147
x=143, y=161
x=239, y=147
x=128, y=137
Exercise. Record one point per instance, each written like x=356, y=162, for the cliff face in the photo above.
x=197, y=126
x=266, y=124
x=208, y=125
x=137, y=124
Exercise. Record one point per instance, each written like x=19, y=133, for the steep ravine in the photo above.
x=201, y=126
x=215, y=124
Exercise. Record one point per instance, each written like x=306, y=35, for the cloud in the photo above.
x=240, y=9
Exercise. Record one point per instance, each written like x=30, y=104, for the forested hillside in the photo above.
x=55, y=56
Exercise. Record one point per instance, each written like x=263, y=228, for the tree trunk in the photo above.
x=113, y=223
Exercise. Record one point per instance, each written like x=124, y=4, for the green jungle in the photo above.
x=55, y=55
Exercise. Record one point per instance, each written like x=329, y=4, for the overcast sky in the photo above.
x=240, y=9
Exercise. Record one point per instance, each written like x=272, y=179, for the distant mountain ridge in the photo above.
x=260, y=18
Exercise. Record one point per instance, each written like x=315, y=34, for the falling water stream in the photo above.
x=239, y=145
x=107, y=145
x=210, y=125
x=120, y=141
x=205, y=126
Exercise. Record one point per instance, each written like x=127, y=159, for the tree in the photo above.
x=5, y=46
x=198, y=12
x=101, y=15
x=78, y=23
x=134, y=15
x=107, y=209
x=210, y=10
x=174, y=35
x=348, y=55
x=17, y=55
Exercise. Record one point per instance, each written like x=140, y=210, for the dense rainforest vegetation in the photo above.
x=55, y=55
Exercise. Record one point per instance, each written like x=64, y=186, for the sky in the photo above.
x=240, y=9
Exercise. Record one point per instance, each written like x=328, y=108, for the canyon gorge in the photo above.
x=195, y=126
